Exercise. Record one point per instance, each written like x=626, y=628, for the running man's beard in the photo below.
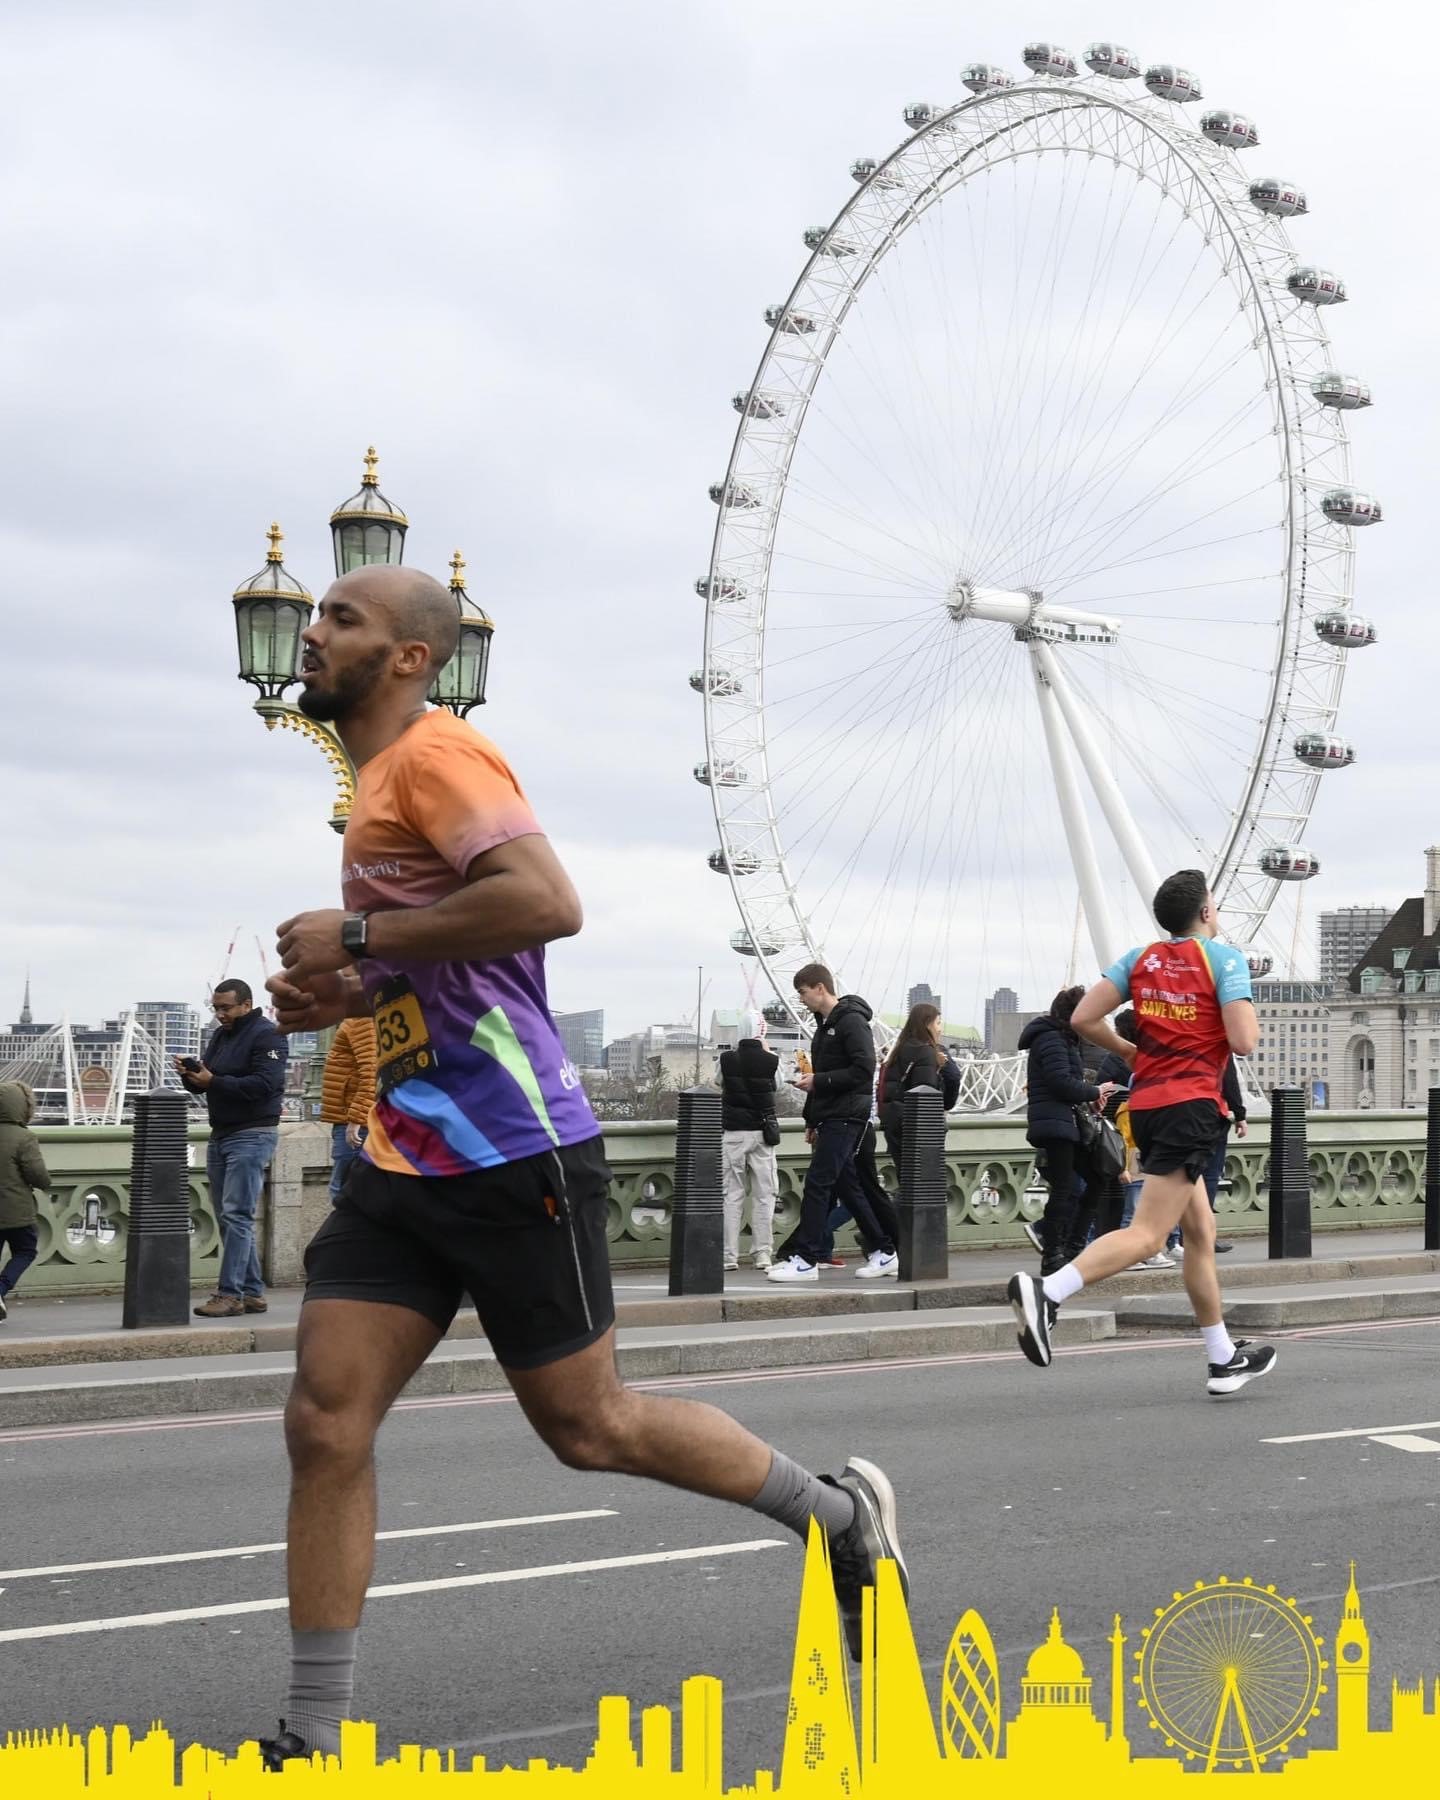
x=351, y=691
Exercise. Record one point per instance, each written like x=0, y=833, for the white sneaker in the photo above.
x=730, y=1262
x=763, y=1259
x=1158, y=1261
x=794, y=1268
x=879, y=1263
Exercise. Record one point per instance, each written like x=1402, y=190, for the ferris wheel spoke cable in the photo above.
x=808, y=703
x=1097, y=360
x=799, y=520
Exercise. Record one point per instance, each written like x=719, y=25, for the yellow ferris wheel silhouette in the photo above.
x=1231, y=1672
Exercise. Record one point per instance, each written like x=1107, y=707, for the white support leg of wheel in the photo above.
x=1077, y=825
x=1107, y=790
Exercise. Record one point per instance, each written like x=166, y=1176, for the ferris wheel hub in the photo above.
x=1030, y=614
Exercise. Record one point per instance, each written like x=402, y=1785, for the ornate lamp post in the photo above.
x=272, y=609
x=461, y=683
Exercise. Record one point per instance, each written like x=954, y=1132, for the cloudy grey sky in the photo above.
x=524, y=251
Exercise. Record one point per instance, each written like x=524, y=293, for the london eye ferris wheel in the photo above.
x=1032, y=573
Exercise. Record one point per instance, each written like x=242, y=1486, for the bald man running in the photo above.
x=483, y=1172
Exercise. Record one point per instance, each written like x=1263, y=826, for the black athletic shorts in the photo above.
x=525, y=1240
x=1182, y=1136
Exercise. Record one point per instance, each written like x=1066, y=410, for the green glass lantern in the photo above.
x=271, y=610
x=461, y=683
x=368, y=528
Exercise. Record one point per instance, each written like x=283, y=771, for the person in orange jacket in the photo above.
x=347, y=1094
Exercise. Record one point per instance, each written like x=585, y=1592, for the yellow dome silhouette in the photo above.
x=1055, y=1662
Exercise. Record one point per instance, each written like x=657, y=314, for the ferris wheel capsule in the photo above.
x=734, y=493
x=878, y=175
x=1316, y=287
x=1113, y=60
x=743, y=944
x=721, y=774
x=743, y=862
x=1051, y=60
x=1230, y=129
x=1284, y=199
x=1349, y=506
x=718, y=681
x=798, y=324
x=758, y=406
x=1167, y=82
x=1259, y=963
x=919, y=113
x=723, y=590
x=985, y=78
x=823, y=239
x=1289, y=862
x=1345, y=630
x=1323, y=750
x=1346, y=393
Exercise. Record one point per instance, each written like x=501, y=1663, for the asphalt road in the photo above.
x=1102, y=1485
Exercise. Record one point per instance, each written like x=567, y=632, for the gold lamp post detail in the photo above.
x=368, y=528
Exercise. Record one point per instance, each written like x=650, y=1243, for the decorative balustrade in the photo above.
x=1366, y=1169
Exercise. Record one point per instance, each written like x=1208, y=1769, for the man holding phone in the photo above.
x=242, y=1076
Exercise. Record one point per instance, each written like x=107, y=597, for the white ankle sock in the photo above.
x=1218, y=1346
x=1063, y=1283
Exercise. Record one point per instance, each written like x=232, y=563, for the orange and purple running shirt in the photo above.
x=472, y=1070
x=1177, y=988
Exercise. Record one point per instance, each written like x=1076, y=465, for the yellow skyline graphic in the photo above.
x=1229, y=1677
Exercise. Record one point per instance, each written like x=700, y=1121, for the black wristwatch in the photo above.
x=354, y=930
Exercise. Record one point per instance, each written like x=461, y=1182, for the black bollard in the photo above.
x=1289, y=1175
x=1432, y=1171
x=697, y=1207
x=924, y=1217
x=157, y=1250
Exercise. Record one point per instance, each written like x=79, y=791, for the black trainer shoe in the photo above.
x=4, y=1309
x=855, y=1553
x=1249, y=1361
x=1034, y=1316
x=1036, y=1237
x=287, y=1747
x=1222, y=1249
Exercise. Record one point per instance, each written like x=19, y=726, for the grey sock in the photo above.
x=322, y=1685
x=793, y=1496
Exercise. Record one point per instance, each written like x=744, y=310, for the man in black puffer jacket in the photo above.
x=747, y=1101
x=1054, y=1086
x=839, y=1095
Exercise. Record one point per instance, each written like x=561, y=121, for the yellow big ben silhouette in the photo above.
x=1352, y=1673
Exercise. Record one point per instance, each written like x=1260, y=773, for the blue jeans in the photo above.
x=236, y=1167
x=341, y=1157
x=1132, y=1200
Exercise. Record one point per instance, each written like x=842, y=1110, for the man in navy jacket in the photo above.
x=242, y=1076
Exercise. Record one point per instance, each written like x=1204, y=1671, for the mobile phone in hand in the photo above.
x=192, y=1063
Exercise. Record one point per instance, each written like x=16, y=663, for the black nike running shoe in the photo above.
x=287, y=1747
x=1249, y=1362
x=855, y=1553
x=1034, y=1317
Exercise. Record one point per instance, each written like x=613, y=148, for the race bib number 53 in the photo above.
x=402, y=1038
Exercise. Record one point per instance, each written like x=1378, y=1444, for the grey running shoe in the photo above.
x=855, y=1553
x=1034, y=1315
x=287, y=1747
x=1248, y=1363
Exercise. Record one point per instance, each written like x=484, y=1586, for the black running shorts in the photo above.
x=525, y=1240
x=1182, y=1136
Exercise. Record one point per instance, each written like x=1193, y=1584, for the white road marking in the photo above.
x=1402, y=1440
x=1363, y=1431
x=183, y=1615
x=248, y=1550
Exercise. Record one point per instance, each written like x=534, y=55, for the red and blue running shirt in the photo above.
x=1177, y=988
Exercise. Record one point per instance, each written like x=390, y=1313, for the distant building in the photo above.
x=1003, y=1000
x=583, y=1035
x=1345, y=935
x=1294, y=1047
x=922, y=994
x=1384, y=1036
x=175, y=1029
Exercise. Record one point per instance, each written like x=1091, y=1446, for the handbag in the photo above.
x=770, y=1129
x=1101, y=1142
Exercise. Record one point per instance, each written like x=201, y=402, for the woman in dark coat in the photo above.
x=1055, y=1085
x=916, y=1060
